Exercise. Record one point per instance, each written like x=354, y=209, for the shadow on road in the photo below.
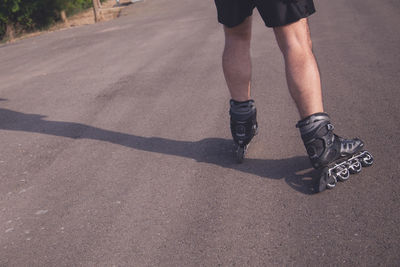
x=122, y=4
x=296, y=170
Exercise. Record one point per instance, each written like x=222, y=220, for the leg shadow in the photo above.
x=215, y=151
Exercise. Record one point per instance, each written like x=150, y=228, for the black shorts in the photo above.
x=275, y=13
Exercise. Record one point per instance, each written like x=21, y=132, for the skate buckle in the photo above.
x=330, y=127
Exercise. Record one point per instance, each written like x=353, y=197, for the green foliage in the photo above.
x=75, y=6
x=8, y=11
x=26, y=15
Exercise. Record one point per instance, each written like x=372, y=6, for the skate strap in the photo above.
x=313, y=118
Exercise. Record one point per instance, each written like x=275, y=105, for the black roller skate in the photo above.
x=335, y=156
x=243, y=126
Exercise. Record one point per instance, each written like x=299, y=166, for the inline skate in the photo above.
x=335, y=156
x=243, y=126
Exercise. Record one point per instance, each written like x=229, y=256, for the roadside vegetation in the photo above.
x=23, y=16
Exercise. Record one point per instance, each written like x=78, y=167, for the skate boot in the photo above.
x=335, y=156
x=243, y=126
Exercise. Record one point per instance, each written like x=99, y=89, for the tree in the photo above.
x=8, y=11
x=96, y=9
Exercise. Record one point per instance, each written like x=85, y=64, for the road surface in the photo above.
x=115, y=145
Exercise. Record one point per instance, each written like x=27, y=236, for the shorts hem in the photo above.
x=236, y=23
x=290, y=21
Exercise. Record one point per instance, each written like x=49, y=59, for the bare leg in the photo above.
x=302, y=72
x=236, y=60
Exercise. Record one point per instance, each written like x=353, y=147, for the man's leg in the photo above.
x=236, y=64
x=325, y=149
x=236, y=60
x=302, y=72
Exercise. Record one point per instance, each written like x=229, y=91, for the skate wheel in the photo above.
x=326, y=181
x=240, y=151
x=343, y=175
x=355, y=167
x=367, y=159
x=331, y=185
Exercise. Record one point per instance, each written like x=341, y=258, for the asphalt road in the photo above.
x=115, y=147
